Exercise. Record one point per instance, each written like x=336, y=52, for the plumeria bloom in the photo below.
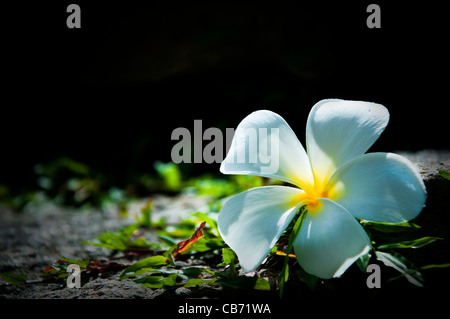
x=334, y=179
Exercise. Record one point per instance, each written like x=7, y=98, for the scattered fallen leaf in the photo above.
x=186, y=244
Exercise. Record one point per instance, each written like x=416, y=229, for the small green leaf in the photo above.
x=146, y=215
x=363, y=261
x=204, y=217
x=390, y=228
x=444, y=174
x=14, y=279
x=284, y=274
x=228, y=255
x=81, y=263
x=170, y=173
x=157, y=281
x=167, y=240
x=309, y=279
x=262, y=284
x=205, y=244
x=229, y=258
x=193, y=272
x=118, y=241
x=170, y=280
x=149, y=262
x=416, y=243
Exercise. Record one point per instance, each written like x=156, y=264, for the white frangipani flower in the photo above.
x=336, y=181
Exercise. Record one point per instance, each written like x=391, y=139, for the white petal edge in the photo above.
x=283, y=158
x=381, y=187
x=252, y=222
x=330, y=241
x=339, y=130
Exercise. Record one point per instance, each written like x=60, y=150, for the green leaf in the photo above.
x=167, y=240
x=416, y=243
x=119, y=241
x=139, y=272
x=402, y=265
x=146, y=215
x=390, y=228
x=262, y=284
x=151, y=281
x=213, y=187
x=310, y=280
x=363, y=262
x=81, y=263
x=193, y=272
x=229, y=258
x=205, y=244
x=444, y=174
x=435, y=266
x=284, y=274
x=204, y=217
x=112, y=241
x=157, y=281
x=14, y=279
x=149, y=262
x=170, y=173
x=228, y=255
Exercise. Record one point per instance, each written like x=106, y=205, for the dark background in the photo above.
x=110, y=94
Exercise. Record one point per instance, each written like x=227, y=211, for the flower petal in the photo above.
x=282, y=158
x=381, y=187
x=252, y=222
x=339, y=130
x=330, y=240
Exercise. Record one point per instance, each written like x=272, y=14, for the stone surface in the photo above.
x=33, y=239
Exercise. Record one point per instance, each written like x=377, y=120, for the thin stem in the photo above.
x=284, y=275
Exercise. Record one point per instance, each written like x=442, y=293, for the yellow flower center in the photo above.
x=313, y=193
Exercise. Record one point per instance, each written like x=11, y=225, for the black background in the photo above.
x=110, y=94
